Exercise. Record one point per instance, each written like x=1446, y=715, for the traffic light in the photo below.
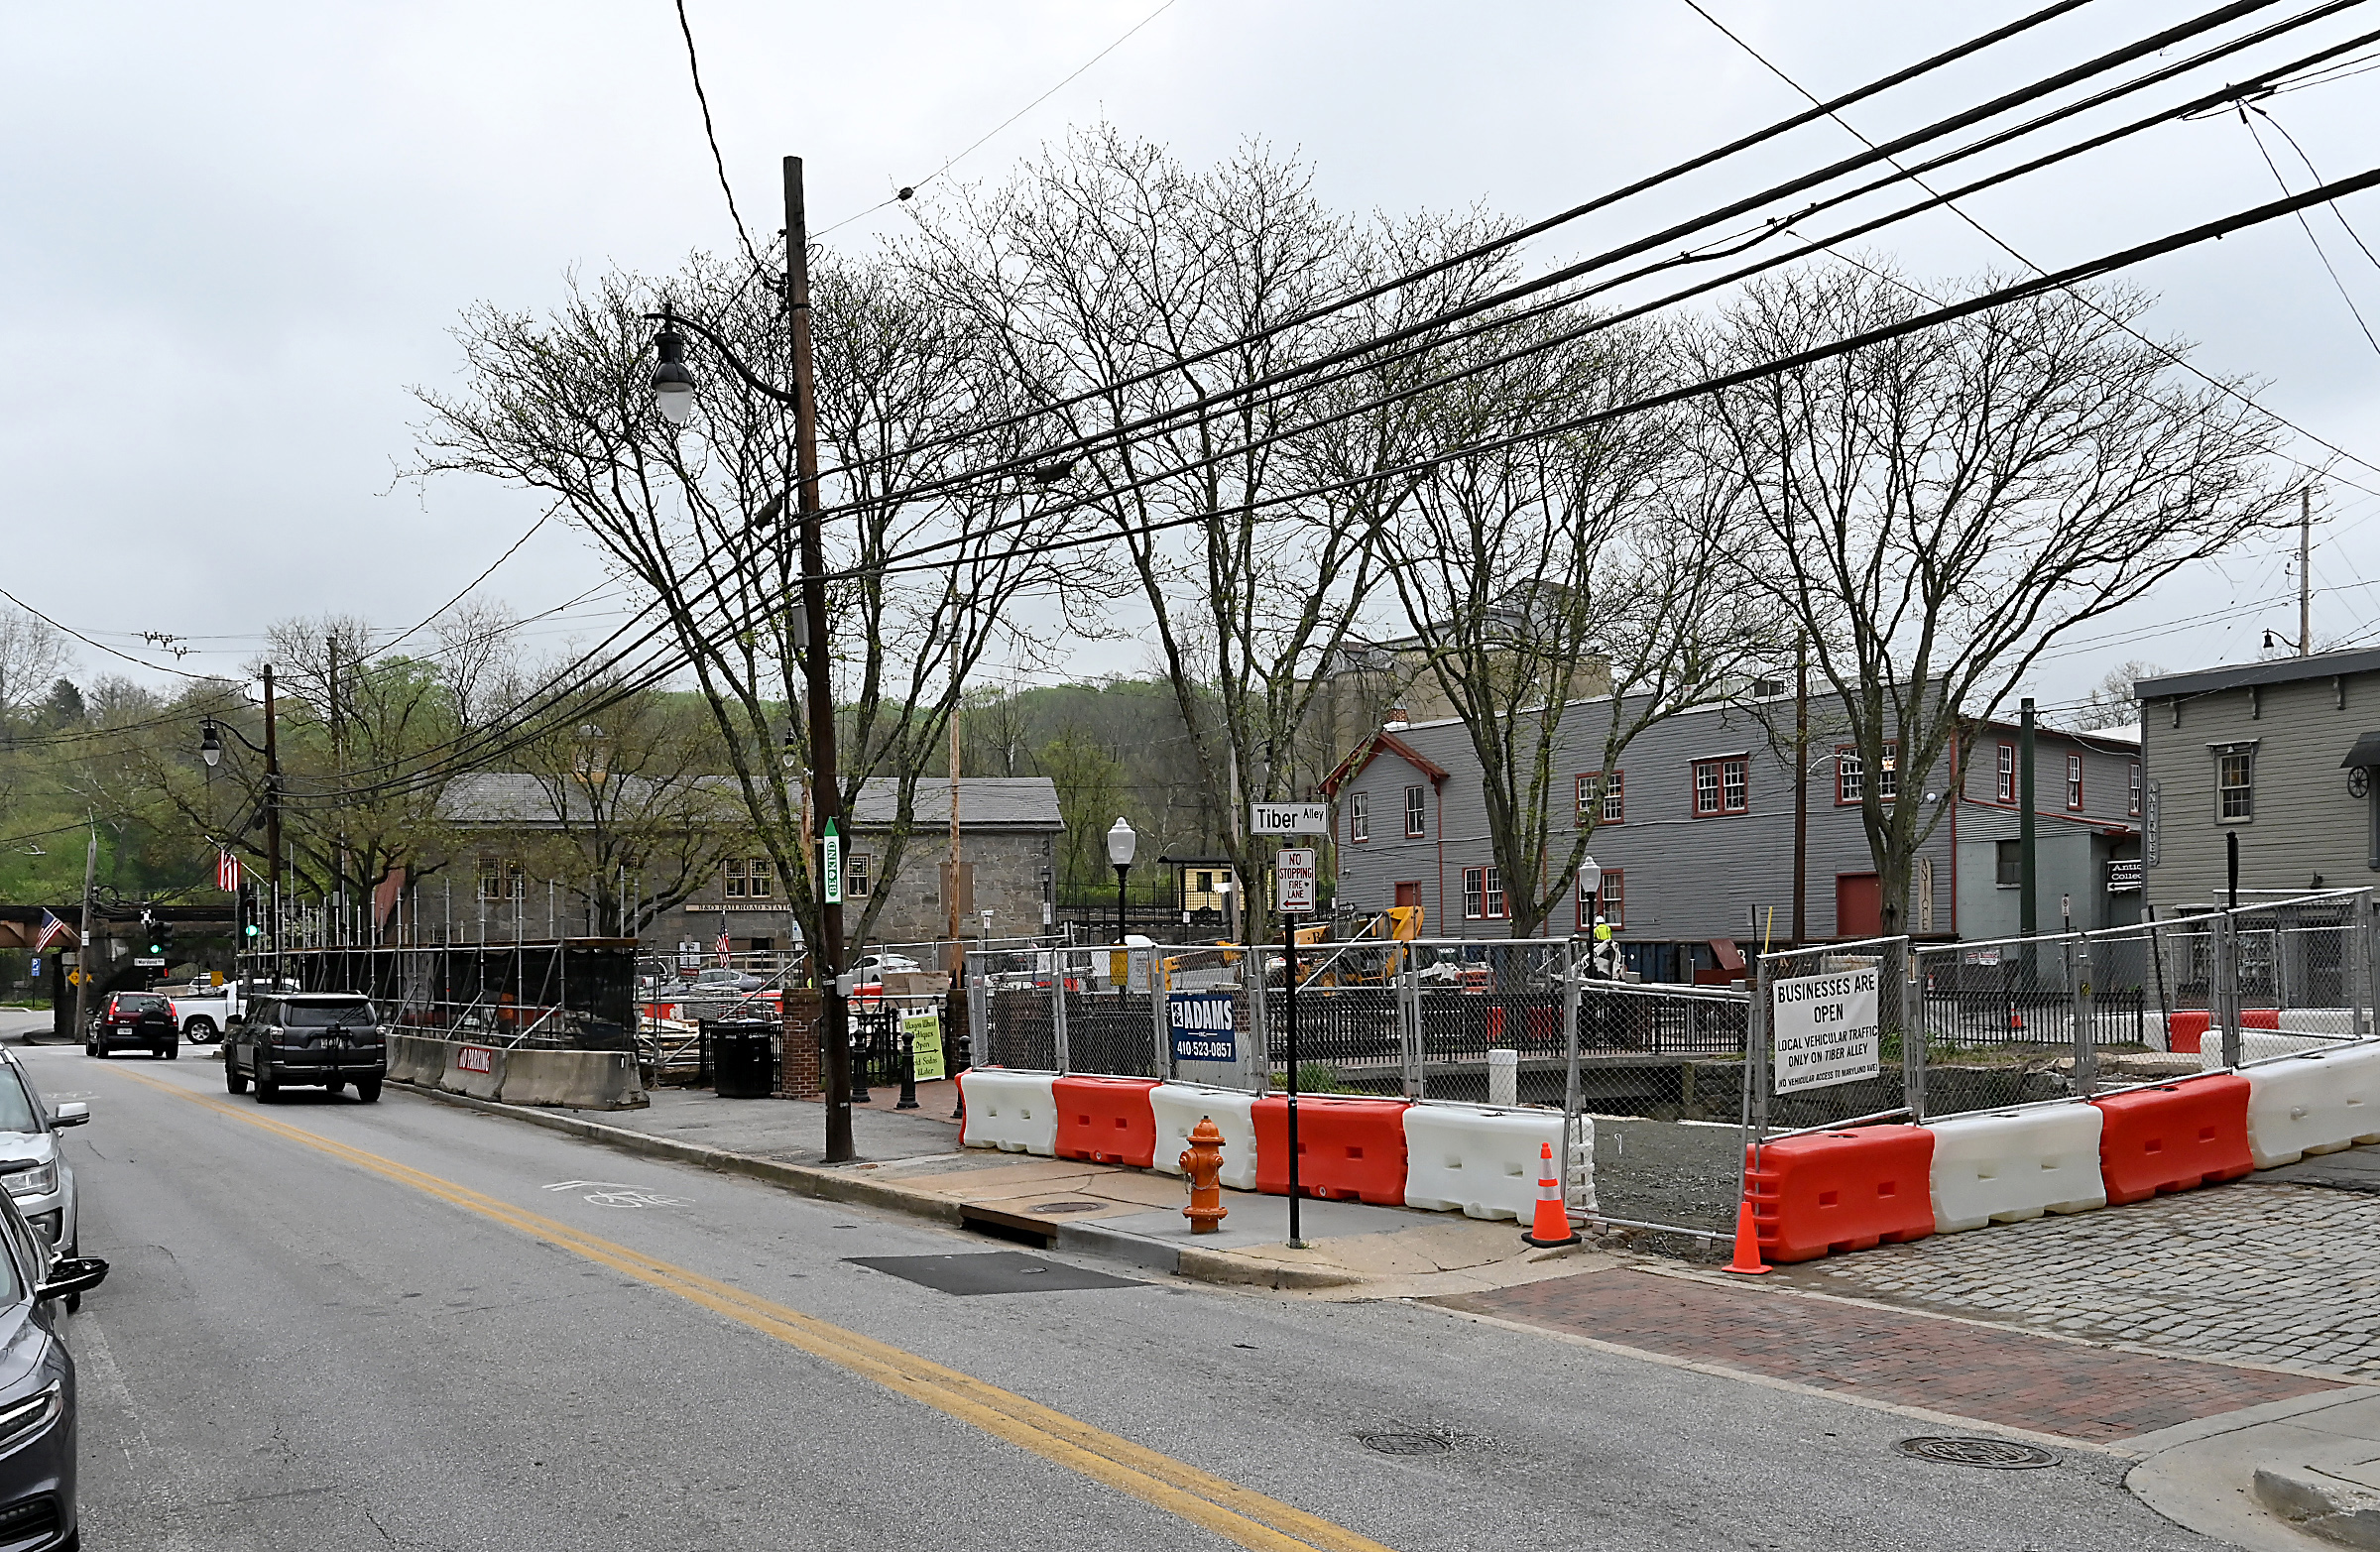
x=160, y=938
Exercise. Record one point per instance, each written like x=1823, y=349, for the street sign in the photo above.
x=475, y=1058
x=832, y=846
x=1290, y=818
x=1824, y=1028
x=924, y=1035
x=2123, y=874
x=1296, y=871
x=1204, y=1026
x=150, y=961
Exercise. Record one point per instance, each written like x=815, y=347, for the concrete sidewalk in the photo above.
x=910, y=1161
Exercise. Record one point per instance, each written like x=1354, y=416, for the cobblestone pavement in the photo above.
x=2257, y=1271
x=1943, y=1366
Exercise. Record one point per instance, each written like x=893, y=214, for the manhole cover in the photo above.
x=1067, y=1207
x=1994, y=1453
x=1403, y=1443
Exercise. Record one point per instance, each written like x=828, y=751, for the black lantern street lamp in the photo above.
x=1122, y=842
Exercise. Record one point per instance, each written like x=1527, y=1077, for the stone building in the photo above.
x=1007, y=833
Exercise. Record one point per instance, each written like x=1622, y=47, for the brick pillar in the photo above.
x=799, y=1073
x=954, y=1027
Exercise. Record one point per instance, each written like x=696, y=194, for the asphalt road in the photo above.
x=397, y=1326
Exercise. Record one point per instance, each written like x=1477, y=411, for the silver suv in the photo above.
x=33, y=1168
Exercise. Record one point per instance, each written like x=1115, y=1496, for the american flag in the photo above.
x=227, y=872
x=51, y=930
x=726, y=949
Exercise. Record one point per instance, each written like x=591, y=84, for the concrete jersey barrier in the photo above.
x=519, y=1075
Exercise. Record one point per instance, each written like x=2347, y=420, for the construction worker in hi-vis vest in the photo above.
x=1603, y=959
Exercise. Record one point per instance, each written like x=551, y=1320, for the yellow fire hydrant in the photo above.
x=1202, y=1167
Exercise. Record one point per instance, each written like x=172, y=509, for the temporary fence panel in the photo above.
x=1349, y=1034
x=1835, y=1038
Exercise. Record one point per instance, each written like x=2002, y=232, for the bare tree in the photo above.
x=565, y=407
x=32, y=654
x=1935, y=509
x=1109, y=274
x=1562, y=568
x=2110, y=703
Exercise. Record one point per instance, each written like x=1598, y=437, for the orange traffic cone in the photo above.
x=1552, y=1225
x=2016, y=1020
x=1747, y=1244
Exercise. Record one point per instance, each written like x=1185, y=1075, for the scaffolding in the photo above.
x=572, y=992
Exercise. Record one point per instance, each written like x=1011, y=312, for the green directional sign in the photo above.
x=831, y=848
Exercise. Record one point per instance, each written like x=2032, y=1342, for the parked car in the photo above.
x=37, y=1385
x=306, y=1040
x=873, y=967
x=709, y=985
x=141, y=1019
x=32, y=1169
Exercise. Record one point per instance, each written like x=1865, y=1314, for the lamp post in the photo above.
x=674, y=388
x=1122, y=842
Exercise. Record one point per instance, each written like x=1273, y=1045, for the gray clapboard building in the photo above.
x=2285, y=754
x=1694, y=833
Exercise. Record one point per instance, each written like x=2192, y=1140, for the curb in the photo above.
x=835, y=1185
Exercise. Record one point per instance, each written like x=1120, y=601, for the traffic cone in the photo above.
x=1552, y=1226
x=1747, y=1261
x=2016, y=1020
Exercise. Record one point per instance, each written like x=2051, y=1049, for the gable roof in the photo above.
x=1365, y=753
x=513, y=800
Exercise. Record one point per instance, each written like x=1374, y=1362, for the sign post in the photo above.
x=1293, y=874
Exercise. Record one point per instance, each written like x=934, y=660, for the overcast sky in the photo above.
x=237, y=234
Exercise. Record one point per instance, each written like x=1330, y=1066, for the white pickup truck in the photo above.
x=202, y=1011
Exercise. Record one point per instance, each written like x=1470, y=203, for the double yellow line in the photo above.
x=1239, y=1515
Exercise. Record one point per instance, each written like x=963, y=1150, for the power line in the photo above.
x=2307, y=227
x=694, y=70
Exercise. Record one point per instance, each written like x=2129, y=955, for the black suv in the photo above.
x=310, y=1039
x=141, y=1019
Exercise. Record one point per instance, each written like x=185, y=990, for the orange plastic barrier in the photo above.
x=1349, y=1149
x=2183, y=1029
x=1107, y=1121
x=2174, y=1137
x=1827, y=1191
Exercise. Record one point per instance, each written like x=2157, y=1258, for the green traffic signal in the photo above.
x=254, y=929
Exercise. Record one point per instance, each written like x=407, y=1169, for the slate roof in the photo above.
x=515, y=799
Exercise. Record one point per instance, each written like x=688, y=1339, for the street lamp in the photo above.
x=210, y=745
x=1591, y=884
x=674, y=387
x=1123, y=841
x=211, y=749
x=673, y=379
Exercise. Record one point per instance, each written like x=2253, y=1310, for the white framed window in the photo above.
x=2008, y=788
x=1851, y=782
x=731, y=877
x=1613, y=896
x=1417, y=810
x=2235, y=785
x=761, y=877
x=1359, y=818
x=2132, y=790
x=1475, y=893
x=1494, y=893
x=2074, y=780
x=1603, y=800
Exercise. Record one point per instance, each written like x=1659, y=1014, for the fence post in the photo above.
x=1160, y=1029
x=1256, y=1056
x=1057, y=1007
x=1755, y=1056
x=1913, y=1030
x=2368, y=917
x=1569, y=1062
x=2086, y=1045
x=2225, y=998
x=978, y=971
x=1408, y=1025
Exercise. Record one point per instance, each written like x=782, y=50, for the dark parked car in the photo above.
x=141, y=1019
x=305, y=1039
x=37, y=1388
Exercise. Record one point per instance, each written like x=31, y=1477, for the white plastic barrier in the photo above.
x=2338, y=1023
x=2257, y=1044
x=1014, y=1112
x=1481, y=1160
x=2317, y=1103
x=2005, y=1166
x=1180, y=1106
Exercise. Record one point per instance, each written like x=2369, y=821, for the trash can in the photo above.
x=743, y=1062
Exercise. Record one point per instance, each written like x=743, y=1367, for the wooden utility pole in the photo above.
x=826, y=797
x=956, y=955
x=83, y=945
x=273, y=815
x=2305, y=573
x=1801, y=791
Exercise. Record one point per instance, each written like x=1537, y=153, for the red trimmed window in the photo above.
x=1417, y=808
x=1614, y=901
x=1482, y=894
x=1721, y=787
x=1603, y=801
x=1359, y=818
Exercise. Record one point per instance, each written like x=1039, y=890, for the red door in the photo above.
x=1408, y=893
x=1858, y=906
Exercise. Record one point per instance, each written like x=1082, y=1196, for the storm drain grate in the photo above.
x=1991, y=1454
x=1403, y=1443
x=1068, y=1207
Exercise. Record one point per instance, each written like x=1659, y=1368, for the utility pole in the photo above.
x=2025, y=882
x=273, y=817
x=826, y=797
x=339, y=765
x=956, y=957
x=2304, y=574
x=1801, y=790
x=83, y=945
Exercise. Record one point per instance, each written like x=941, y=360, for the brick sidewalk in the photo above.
x=2259, y=1271
x=2004, y=1376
